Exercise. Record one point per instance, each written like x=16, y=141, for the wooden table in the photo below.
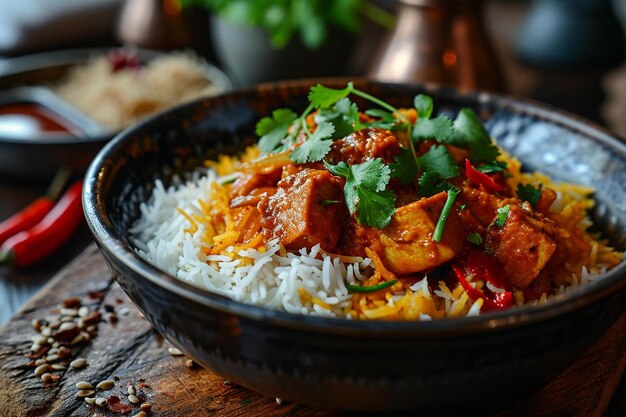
x=124, y=349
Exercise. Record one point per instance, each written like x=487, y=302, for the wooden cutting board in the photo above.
x=127, y=351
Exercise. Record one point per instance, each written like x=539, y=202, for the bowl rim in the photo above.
x=574, y=299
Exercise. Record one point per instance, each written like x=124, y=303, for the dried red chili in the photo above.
x=35, y=211
x=30, y=246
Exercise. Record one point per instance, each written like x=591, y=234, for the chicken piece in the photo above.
x=251, y=199
x=523, y=246
x=308, y=208
x=407, y=240
x=365, y=144
x=481, y=204
x=248, y=181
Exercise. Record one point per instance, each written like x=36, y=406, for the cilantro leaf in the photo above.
x=365, y=192
x=274, y=129
x=344, y=115
x=502, y=216
x=322, y=97
x=430, y=183
x=490, y=167
x=439, y=128
x=424, y=106
x=386, y=120
x=315, y=147
x=404, y=167
x=438, y=159
x=475, y=238
x=526, y=192
x=372, y=174
x=471, y=134
x=375, y=208
x=341, y=169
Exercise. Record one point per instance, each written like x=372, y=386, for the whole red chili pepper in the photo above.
x=25, y=219
x=30, y=246
x=35, y=211
x=481, y=178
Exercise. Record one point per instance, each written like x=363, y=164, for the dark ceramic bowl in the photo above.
x=483, y=361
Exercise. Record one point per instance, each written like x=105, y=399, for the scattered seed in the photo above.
x=140, y=414
x=86, y=336
x=41, y=369
x=133, y=399
x=39, y=339
x=77, y=339
x=36, y=323
x=90, y=400
x=85, y=393
x=106, y=384
x=54, y=324
x=145, y=407
x=92, y=328
x=67, y=326
x=124, y=311
x=35, y=347
x=84, y=385
x=58, y=367
x=53, y=351
x=83, y=311
x=78, y=363
x=64, y=352
x=279, y=401
x=189, y=363
x=50, y=340
x=52, y=358
x=69, y=312
x=100, y=401
x=46, y=331
x=66, y=319
x=47, y=377
x=55, y=344
x=175, y=352
x=40, y=361
x=71, y=302
x=131, y=390
x=228, y=383
x=111, y=318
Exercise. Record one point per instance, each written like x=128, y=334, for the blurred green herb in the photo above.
x=282, y=19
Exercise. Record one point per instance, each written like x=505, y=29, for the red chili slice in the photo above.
x=498, y=301
x=482, y=179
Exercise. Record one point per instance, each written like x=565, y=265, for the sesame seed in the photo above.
x=41, y=369
x=175, y=352
x=78, y=363
x=106, y=384
x=83, y=385
x=85, y=393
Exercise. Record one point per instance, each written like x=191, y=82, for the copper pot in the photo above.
x=441, y=41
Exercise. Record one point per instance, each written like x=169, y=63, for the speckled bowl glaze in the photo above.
x=452, y=364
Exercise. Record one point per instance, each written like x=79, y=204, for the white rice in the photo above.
x=271, y=280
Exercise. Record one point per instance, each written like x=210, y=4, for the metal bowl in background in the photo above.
x=470, y=364
x=39, y=157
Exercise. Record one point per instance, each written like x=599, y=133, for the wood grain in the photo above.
x=130, y=352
